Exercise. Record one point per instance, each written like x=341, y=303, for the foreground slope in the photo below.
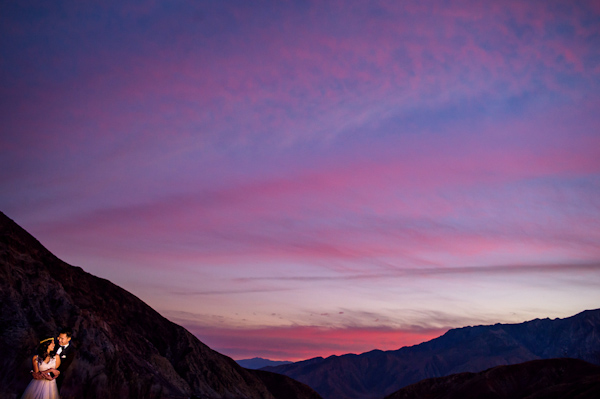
x=375, y=374
x=536, y=379
x=125, y=348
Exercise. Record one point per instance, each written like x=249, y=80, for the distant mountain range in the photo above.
x=375, y=374
x=258, y=362
x=125, y=349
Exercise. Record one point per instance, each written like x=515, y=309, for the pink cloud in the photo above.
x=300, y=343
x=352, y=205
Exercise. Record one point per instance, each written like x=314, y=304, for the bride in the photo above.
x=45, y=365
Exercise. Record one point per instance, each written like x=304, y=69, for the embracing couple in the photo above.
x=50, y=362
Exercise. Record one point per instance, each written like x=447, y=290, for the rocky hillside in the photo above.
x=375, y=374
x=125, y=348
x=537, y=379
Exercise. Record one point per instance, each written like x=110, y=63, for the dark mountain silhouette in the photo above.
x=258, y=363
x=125, y=348
x=536, y=379
x=375, y=374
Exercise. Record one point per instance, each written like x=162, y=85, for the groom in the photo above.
x=66, y=351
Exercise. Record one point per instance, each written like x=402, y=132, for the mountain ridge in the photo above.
x=377, y=373
x=258, y=362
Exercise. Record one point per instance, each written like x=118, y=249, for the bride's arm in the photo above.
x=36, y=368
x=35, y=373
x=57, y=357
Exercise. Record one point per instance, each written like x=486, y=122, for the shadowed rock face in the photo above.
x=554, y=378
x=375, y=374
x=125, y=348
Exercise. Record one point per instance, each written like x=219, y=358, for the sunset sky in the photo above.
x=291, y=179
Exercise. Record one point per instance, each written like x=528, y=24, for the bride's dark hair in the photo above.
x=42, y=350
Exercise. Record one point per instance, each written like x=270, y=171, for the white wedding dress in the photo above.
x=42, y=389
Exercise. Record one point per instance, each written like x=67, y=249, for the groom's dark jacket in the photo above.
x=66, y=358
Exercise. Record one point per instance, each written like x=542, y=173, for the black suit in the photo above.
x=66, y=358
